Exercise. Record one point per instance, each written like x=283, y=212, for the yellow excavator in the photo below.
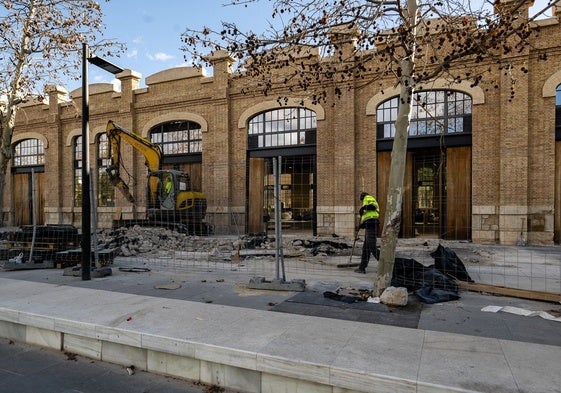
x=171, y=202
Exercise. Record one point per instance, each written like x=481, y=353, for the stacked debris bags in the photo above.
x=435, y=283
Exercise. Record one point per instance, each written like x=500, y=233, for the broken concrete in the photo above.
x=393, y=296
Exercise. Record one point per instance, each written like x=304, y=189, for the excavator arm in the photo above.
x=151, y=151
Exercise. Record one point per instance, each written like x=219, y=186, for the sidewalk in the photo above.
x=213, y=330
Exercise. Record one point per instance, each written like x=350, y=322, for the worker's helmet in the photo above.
x=362, y=195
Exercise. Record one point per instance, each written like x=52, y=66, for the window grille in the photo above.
x=105, y=190
x=29, y=152
x=178, y=137
x=434, y=112
x=77, y=171
x=282, y=127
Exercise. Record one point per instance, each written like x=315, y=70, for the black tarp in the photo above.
x=435, y=283
x=446, y=260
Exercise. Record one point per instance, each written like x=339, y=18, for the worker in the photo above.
x=168, y=201
x=369, y=220
x=168, y=185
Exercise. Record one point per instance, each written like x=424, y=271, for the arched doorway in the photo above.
x=28, y=167
x=437, y=192
x=289, y=133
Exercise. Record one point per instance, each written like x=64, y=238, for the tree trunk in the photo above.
x=392, y=222
x=8, y=117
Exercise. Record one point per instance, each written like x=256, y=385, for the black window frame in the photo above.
x=178, y=138
x=281, y=128
x=458, y=110
x=105, y=189
x=77, y=167
x=29, y=153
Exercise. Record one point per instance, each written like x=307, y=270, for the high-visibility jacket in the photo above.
x=369, y=209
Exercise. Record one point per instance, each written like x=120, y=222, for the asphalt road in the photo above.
x=30, y=369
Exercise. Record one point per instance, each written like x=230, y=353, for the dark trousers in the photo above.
x=371, y=231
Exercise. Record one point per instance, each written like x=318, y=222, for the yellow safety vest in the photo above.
x=367, y=214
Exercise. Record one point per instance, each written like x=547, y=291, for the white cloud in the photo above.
x=132, y=53
x=160, y=56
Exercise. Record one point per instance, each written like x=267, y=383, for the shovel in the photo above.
x=350, y=264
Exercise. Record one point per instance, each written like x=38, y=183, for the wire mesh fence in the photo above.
x=303, y=256
x=238, y=230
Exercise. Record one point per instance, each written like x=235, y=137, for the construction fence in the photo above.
x=279, y=230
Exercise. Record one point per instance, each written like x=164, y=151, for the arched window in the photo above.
x=181, y=142
x=434, y=112
x=282, y=127
x=77, y=164
x=29, y=152
x=178, y=137
x=105, y=190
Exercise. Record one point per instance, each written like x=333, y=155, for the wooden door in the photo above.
x=193, y=169
x=25, y=195
x=458, y=193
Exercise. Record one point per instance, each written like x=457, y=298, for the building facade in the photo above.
x=486, y=169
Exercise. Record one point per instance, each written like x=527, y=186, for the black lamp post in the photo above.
x=86, y=202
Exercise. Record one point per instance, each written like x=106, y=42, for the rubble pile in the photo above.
x=151, y=240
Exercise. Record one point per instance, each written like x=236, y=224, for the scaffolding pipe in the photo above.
x=33, y=214
x=279, y=257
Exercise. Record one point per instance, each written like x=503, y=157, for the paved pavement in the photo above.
x=31, y=369
x=450, y=346
x=217, y=285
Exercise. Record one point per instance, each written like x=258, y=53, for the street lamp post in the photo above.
x=86, y=201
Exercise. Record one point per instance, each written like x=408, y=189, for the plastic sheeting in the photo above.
x=435, y=283
x=446, y=260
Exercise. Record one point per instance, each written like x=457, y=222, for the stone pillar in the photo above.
x=339, y=189
x=129, y=83
x=127, y=118
x=58, y=188
x=514, y=149
x=504, y=6
x=218, y=148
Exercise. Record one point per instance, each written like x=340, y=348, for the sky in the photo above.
x=152, y=30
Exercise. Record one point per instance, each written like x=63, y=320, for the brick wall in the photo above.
x=513, y=150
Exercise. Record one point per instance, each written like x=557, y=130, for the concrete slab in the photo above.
x=320, y=352
x=316, y=304
x=218, y=328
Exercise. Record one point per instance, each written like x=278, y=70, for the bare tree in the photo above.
x=40, y=44
x=367, y=42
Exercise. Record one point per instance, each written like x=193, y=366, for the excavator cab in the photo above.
x=170, y=197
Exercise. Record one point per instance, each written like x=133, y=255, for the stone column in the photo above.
x=59, y=186
x=127, y=118
x=339, y=189
x=218, y=150
x=514, y=142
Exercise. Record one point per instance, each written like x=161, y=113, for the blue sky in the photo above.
x=152, y=30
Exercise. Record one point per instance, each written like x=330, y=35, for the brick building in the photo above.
x=489, y=169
